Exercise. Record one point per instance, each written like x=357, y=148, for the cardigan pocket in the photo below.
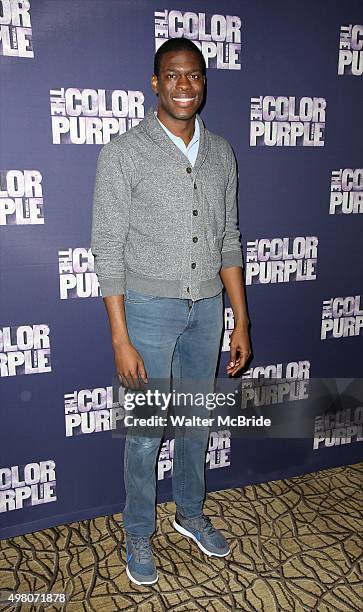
x=218, y=241
x=212, y=254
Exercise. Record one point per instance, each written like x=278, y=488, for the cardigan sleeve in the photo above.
x=231, y=248
x=110, y=220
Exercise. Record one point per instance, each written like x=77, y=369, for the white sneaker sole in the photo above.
x=188, y=534
x=137, y=581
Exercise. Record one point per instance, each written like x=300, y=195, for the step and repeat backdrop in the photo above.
x=285, y=89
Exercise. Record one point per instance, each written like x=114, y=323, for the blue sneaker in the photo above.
x=140, y=566
x=200, y=529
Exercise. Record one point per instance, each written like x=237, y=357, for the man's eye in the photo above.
x=171, y=76
x=195, y=76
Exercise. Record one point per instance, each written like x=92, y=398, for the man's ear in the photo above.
x=154, y=83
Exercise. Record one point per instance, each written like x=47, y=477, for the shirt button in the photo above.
x=195, y=238
x=189, y=170
x=195, y=212
x=194, y=265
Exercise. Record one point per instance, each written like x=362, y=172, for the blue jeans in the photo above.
x=181, y=338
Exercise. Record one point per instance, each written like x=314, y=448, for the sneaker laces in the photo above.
x=203, y=523
x=142, y=548
x=207, y=525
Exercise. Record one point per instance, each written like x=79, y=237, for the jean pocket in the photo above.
x=134, y=297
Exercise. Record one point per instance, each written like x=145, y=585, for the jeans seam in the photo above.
x=183, y=437
x=126, y=461
x=189, y=314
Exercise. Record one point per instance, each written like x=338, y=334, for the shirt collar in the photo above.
x=195, y=136
x=153, y=129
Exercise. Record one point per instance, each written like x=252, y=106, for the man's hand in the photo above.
x=240, y=349
x=232, y=279
x=129, y=366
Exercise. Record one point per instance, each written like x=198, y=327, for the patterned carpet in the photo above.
x=296, y=545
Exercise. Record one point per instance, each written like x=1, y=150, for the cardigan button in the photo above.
x=189, y=170
x=195, y=212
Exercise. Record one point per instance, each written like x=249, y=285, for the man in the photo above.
x=165, y=241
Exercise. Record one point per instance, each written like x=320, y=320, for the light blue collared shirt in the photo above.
x=191, y=151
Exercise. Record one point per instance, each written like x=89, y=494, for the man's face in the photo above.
x=180, y=85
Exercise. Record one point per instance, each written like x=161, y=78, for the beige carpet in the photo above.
x=296, y=545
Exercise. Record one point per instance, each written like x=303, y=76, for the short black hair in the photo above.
x=177, y=44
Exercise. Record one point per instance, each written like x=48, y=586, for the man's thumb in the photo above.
x=232, y=356
x=142, y=371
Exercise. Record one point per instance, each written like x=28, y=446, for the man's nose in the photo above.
x=183, y=82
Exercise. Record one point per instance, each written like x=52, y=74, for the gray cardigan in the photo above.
x=159, y=225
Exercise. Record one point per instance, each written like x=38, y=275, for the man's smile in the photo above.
x=182, y=99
